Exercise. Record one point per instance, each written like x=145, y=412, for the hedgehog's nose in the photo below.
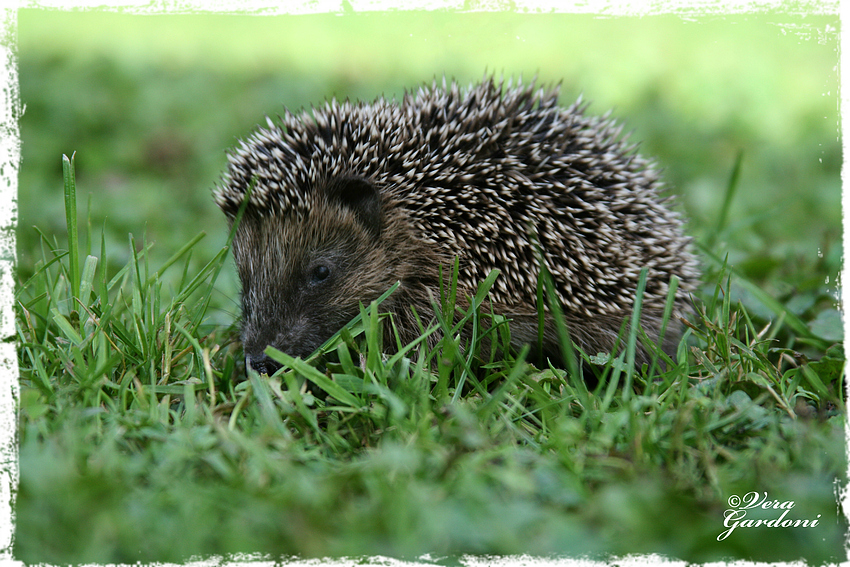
x=263, y=364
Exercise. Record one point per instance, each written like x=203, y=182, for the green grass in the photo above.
x=141, y=441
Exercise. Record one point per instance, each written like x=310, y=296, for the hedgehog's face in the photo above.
x=303, y=280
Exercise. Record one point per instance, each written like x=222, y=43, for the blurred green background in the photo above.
x=150, y=103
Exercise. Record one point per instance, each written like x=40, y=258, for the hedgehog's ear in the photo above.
x=361, y=197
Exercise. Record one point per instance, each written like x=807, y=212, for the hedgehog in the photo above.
x=351, y=197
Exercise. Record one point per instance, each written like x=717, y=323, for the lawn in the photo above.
x=142, y=440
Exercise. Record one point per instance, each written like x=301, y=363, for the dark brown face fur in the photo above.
x=304, y=279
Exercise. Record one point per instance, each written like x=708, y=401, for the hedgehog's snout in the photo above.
x=262, y=364
x=297, y=338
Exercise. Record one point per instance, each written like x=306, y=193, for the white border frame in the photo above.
x=10, y=158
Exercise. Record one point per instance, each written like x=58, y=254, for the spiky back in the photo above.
x=485, y=173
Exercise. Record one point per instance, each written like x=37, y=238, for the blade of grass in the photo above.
x=71, y=219
x=631, y=344
x=87, y=280
x=731, y=188
x=354, y=327
x=315, y=376
x=519, y=367
x=564, y=340
x=176, y=256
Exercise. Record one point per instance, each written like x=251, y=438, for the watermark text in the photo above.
x=736, y=515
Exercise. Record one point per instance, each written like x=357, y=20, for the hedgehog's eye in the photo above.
x=321, y=273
